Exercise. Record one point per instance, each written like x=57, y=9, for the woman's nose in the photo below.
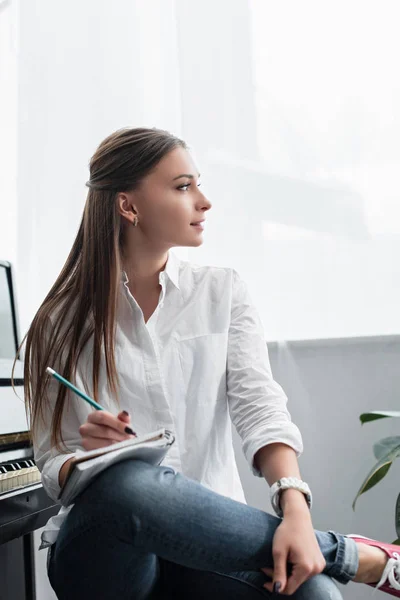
x=204, y=202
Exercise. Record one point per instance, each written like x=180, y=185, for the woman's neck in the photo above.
x=143, y=272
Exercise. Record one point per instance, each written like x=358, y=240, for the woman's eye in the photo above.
x=186, y=186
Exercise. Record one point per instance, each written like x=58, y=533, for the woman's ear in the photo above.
x=126, y=207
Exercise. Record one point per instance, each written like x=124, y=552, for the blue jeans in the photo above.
x=145, y=532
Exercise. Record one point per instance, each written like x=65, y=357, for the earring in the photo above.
x=135, y=222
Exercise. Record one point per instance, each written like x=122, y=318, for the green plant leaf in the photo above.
x=396, y=542
x=373, y=415
x=377, y=473
x=397, y=516
x=383, y=447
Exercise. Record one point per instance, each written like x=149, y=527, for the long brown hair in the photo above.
x=82, y=302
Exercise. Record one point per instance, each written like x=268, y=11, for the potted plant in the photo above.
x=386, y=451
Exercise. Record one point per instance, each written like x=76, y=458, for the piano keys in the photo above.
x=16, y=475
x=20, y=472
x=17, y=465
x=24, y=505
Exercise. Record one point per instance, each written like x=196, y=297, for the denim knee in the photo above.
x=116, y=486
x=319, y=586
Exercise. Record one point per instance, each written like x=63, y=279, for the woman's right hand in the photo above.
x=102, y=428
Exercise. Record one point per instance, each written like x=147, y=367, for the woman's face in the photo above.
x=169, y=202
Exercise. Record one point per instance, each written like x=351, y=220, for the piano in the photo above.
x=24, y=505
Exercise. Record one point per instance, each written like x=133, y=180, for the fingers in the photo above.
x=102, y=432
x=92, y=443
x=270, y=574
x=106, y=419
x=125, y=417
x=103, y=428
x=280, y=572
x=268, y=571
x=299, y=575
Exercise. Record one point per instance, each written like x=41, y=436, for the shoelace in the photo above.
x=390, y=572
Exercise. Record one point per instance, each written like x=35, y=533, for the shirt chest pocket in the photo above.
x=202, y=364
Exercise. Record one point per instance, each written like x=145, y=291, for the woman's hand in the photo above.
x=295, y=543
x=103, y=428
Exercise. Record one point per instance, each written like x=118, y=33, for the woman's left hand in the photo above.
x=295, y=543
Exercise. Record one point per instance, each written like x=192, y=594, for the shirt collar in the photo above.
x=171, y=270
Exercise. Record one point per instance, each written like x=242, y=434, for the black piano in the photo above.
x=24, y=505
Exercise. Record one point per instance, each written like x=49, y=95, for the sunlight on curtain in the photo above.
x=293, y=113
x=8, y=129
x=312, y=219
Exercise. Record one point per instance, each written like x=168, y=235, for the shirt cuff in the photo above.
x=50, y=474
x=50, y=533
x=284, y=432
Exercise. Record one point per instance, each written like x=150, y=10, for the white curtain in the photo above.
x=8, y=130
x=293, y=113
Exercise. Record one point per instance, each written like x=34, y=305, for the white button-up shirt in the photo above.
x=200, y=362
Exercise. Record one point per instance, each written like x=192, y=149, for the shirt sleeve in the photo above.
x=49, y=460
x=257, y=403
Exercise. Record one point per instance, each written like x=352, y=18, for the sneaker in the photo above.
x=390, y=580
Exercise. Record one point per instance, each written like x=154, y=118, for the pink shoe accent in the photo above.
x=390, y=580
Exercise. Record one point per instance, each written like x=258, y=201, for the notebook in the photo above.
x=151, y=447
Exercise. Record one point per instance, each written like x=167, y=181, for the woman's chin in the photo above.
x=193, y=242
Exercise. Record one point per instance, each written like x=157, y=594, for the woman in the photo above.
x=161, y=342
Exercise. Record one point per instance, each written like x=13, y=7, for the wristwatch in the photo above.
x=286, y=483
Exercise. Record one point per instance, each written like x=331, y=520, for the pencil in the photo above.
x=74, y=389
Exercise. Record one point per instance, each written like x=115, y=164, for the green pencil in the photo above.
x=75, y=389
